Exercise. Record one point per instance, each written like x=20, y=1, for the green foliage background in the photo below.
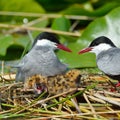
x=106, y=21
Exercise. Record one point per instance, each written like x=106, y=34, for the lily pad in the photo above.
x=5, y=42
x=19, y=6
x=61, y=23
x=11, y=47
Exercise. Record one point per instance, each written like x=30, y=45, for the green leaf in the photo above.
x=108, y=25
x=22, y=5
x=74, y=60
x=13, y=52
x=11, y=47
x=61, y=23
x=19, y=6
x=78, y=9
x=5, y=42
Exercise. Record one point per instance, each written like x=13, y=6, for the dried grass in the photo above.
x=94, y=97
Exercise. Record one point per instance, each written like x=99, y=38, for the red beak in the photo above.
x=85, y=50
x=62, y=47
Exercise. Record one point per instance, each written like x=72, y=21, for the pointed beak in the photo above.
x=85, y=50
x=62, y=47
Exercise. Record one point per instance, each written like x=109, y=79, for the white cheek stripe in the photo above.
x=45, y=42
x=100, y=48
x=42, y=42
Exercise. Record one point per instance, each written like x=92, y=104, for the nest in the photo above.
x=97, y=98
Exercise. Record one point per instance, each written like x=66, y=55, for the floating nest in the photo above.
x=97, y=99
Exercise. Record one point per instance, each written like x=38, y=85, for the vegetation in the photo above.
x=77, y=22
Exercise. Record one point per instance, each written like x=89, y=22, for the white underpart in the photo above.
x=45, y=42
x=101, y=47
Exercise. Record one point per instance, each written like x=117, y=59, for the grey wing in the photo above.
x=20, y=76
x=22, y=69
x=110, y=63
x=60, y=68
x=63, y=67
x=54, y=67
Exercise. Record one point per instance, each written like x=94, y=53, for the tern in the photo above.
x=107, y=56
x=41, y=59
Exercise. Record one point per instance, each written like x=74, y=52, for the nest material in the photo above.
x=99, y=102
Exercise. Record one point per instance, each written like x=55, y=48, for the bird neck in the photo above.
x=42, y=49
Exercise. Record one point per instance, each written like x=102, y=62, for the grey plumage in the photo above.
x=40, y=60
x=109, y=61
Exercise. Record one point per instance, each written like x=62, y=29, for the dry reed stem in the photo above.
x=114, y=94
x=76, y=105
x=91, y=107
x=96, y=99
x=31, y=23
x=42, y=101
x=40, y=29
x=8, y=77
x=107, y=99
x=73, y=115
x=88, y=110
x=26, y=14
x=118, y=114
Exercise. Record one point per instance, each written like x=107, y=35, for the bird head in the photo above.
x=98, y=45
x=50, y=40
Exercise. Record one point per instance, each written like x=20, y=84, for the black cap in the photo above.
x=47, y=35
x=101, y=39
